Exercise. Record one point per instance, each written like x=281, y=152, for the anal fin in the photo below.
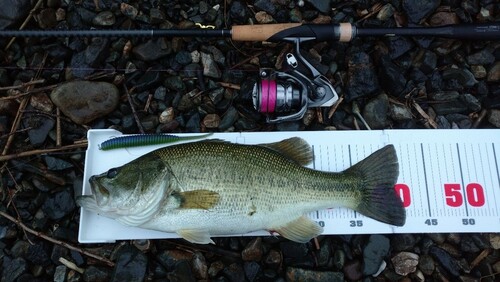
x=300, y=230
x=196, y=236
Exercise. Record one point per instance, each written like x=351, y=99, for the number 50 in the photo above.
x=473, y=191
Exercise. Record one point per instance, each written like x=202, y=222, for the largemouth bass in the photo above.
x=213, y=187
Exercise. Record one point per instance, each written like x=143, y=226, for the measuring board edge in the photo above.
x=97, y=229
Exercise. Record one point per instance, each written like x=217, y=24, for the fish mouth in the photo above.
x=87, y=202
x=99, y=192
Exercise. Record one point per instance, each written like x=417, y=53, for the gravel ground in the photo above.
x=199, y=85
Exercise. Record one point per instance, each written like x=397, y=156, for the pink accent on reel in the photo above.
x=268, y=99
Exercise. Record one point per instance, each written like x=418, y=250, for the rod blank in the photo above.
x=277, y=32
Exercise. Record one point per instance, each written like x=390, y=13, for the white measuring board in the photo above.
x=449, y=180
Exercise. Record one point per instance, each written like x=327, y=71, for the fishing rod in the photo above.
x=286, y=95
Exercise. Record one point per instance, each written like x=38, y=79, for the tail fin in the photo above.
x=379, y=200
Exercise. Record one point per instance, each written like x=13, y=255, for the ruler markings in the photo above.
x=350, y=157
x=486, y=165
x=462, y=179
x=432, y=151
x=477, y=152
x=449, y=172
x=498, y=174
x=417, y=209
x=425, y=178
x=492, y=180
x=438, y=157
x=419, y=182
x=314, y=157
x=350, y=164
x=491, y=202
x=473, y=159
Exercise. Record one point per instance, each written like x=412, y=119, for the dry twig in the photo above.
x=229, y=85
x=480, y=118
x=206, y=248
x=71, y=265
x=357, y=113
x=58, y=128
x=424, y=115
x=335, y=106
x=15, y=125
x=55, y=241
x=23, y=85
x=134, y=112
x=42, y=151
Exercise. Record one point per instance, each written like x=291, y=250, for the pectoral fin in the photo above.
x=300, y=230
x=197, y=236
x=198, y=199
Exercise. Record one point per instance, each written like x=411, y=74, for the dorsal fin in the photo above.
x=295, y=148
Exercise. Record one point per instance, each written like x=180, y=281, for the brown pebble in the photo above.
x=405, y=263
x=211, y=121
x=273, y=259
x=353, y=271
x=253, y=250
x=215, y=268
x=199, y=266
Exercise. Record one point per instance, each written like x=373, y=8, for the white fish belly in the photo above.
x=219, y=223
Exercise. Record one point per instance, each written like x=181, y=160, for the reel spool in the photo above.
x=281, y=94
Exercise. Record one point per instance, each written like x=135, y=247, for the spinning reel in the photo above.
x=286, y=95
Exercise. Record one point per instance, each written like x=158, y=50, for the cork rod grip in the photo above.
x=259, y=32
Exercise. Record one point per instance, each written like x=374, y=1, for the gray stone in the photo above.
x=426, y=264
x=105, y=18
x=445, y=260
x=15, y=267
x=13, y=11
x=299, y=274
x=374, y=253
x=228, y=119
x=463, y=76
x=199, y=264
x=265, y=5
x=444, y=95
x=494, y=117
x=483, y=57
x=59, y=205
x=153, y=50
x=40, y=126
x=400, y=112
x=416, y=10
x=130, y=265
x=210, y=67
x=96, y=274
x=449, y=107
x=494, y=73
x=85, y=101
x=321, y=5
x=362, y=79
x=473, y=104
x=60, y=274
x=375, y=112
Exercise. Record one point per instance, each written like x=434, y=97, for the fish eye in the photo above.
x=112, y=173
